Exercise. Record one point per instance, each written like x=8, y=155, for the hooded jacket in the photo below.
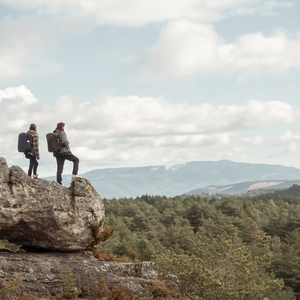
x=62, y=136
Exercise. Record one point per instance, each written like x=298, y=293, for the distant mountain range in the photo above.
x=244, y=187
x=191, y=177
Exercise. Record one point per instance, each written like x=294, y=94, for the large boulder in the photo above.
x=41, y=271
x=43, y=214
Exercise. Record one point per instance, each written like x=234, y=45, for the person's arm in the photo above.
x=35, y=145
x=64, y=139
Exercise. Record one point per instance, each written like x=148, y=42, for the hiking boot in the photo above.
x=75, y=176
x=35, y=176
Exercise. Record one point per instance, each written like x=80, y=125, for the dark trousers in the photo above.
x=33, y=164
x=60, y=165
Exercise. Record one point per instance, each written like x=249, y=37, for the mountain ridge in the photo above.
x=244, y=187
x=178, y=179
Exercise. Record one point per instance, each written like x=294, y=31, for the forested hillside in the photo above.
x=151, y=225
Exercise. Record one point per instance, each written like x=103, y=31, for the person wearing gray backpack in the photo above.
x=64, y=154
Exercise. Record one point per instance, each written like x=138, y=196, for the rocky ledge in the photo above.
x=43, y=214
x=57, y=225
x=40, y=272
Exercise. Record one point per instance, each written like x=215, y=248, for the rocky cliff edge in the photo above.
x=43, y=214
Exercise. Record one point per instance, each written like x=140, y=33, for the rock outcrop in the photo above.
x=40, y=272
x=43, y=214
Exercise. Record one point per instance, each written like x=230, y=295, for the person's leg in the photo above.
x=35, y=166
x=29, y=168
x=60, y=165
x=75, y=161
x=31, y=163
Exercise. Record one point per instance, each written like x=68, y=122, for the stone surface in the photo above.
x=40, y=272
x=43, y=214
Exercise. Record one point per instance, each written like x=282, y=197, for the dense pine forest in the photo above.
x=262, y=224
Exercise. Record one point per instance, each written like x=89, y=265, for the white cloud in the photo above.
x=291, y=140
x=293, y=147
x=256, y=141
x=138, y=131
x=28, y=44
x=21, y=48
x=20, y=92
x=17, y=45
x=146, y=117
x=287, y=137
x=139, y=12
x=263, y=7
x=187, y=48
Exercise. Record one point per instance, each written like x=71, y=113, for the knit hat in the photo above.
x=60, y=124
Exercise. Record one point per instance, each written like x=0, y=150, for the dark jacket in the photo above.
x=62, y=136
x=34, y=141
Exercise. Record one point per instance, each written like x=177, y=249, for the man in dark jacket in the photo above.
x=64, y=154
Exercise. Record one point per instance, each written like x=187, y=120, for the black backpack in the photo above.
x=24, y=144
x=53, y=142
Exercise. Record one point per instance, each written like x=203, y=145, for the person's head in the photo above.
x=33, y=127
x=61, y=125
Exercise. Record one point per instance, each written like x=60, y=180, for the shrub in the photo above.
x=103, y=290
x=67, y=282
x=101, y=236
x=160, y=291
x=134, y=256
x=25, y=296
x=125, y=259
x=10, y=288
x=104, y=256
x=119, y=293
x=84, y=290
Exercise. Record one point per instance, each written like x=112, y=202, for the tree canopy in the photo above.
x=157, y=225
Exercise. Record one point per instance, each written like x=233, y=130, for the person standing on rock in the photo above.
x=34, y=154
x=64, y=154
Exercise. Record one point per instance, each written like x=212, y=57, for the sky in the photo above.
x=152, y=82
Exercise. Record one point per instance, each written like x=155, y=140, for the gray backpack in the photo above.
x=53, y=142
x=24, y=144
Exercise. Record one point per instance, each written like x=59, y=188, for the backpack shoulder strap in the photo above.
x=30, y=138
